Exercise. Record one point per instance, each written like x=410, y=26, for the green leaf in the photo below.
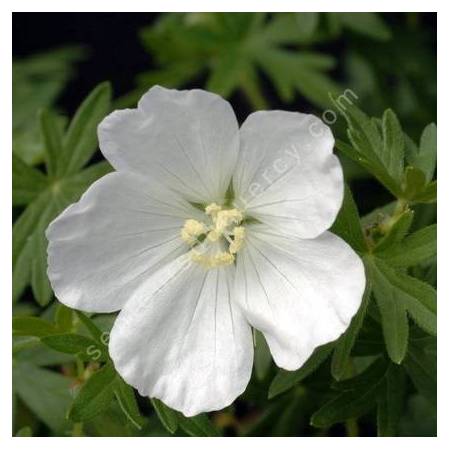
x=27, y=182
x=414, y=249
x=397, y=228
x=342, y=350
x=32, y=326
x=29, y=242
x=95, y=395
x=415, y=183
x=417, y=297
x=285, y=380
x=52, y=138
x=353, y=402
x=45, y=392
x=76, y=344
x=127, y=402
x=167, y=416
x=197, y=426
x=391, y=402
x=421, y=366
x=63, y=317
x=393, y=144
x=347, y=224
x=80, y=141
x=233, y=49
x=394, y=319
x=93, y=329
x=428, y=195
x=425, y=157
x=37, y=83
x=367, y=23
x=263, y=358
x=369, y=146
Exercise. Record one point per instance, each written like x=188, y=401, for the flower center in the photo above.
x=216, y=242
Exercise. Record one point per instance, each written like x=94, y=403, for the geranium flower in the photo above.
x=204, y=231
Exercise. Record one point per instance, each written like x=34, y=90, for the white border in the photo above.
x=6, y=7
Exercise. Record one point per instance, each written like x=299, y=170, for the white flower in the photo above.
x=192, y=269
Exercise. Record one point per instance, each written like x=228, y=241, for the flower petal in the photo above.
x=299, y=293
x=188, y=139
x=122, y=230
x=287, y=176
x=181, y=339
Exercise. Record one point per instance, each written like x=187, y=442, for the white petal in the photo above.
x=287, y=176
x=188, y=139
x=181, y=339
x=122, y=230
x=299, y=293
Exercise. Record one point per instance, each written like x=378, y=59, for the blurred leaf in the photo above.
x=25, y=432
x=285, y=380
x=95, y=395
x=27, y=182
x=358, y=398
x=93, y=329
x=421, y=366
x=45, y=392
x=391, y=402
x=52, y=137
x=76, y=344
x=80, y=141
x=414, y=249
x=263, y=358
x=29, y=241
x=37, y=82
x=428, y=195
x=414, y=184
x=32, y=326
x=167, y=416
x=232, y=47
x=63, y=317
x=367, y=23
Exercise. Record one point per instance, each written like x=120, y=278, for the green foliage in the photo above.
x=380, y=375
x=232, y=49
x=62, y=184
x=37, y=83
x=380, y=149
x=287, y=379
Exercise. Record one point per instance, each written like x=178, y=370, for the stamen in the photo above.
x=224, y=226
x=191, y=230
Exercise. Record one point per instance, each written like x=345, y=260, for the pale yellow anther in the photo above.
x=213, y=236
x=211, y=262
x=223, y=226
x=191, y=230
x=227, y=217
x=212, y=209
x=238, y=239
